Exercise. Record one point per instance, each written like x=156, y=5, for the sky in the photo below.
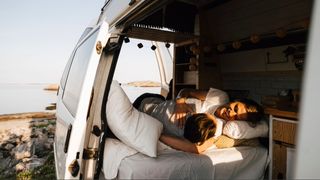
x=37, y=37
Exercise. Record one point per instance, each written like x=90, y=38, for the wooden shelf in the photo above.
x=183, y=76
x=187, y=42
x=185, y=84
x=183, y=64
x=291, y=113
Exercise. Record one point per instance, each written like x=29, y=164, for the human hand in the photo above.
x=181, y=111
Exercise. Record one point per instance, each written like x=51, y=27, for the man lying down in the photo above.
x=194, y=121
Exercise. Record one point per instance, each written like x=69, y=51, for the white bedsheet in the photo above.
x=232, y=163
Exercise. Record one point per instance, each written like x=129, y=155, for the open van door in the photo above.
x=74, y=101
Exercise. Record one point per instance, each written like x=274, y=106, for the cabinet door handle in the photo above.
x=66, y=143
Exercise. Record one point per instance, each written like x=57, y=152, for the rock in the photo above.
x=20, y=167
x=41, y=123
x=40, y=146
x=51, y=129
x=38, y=132
x=26, y=147
x=49, y=144
x=25, y=138
x=12, y=140
x=51, y=136
x=26, y=160
x=5, y=153
x=12, y=162
x=45, y=131
x=9, y=147
x=23, y=150
x=4, y=162
x=34, y=162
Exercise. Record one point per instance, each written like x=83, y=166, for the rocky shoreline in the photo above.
x=7, y=117
x=26, y=145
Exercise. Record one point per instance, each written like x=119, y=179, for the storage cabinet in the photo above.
x=282, y=141
x=186, y=65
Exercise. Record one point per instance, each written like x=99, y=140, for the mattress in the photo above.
x=229, y=163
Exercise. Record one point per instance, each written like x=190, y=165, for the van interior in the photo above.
x=250, y=49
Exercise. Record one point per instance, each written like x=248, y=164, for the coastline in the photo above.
x=51, y=87
x=27, y=115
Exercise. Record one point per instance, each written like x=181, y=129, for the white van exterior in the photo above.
x=74, y=97
x=83, y=91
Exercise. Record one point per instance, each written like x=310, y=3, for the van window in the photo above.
x=66, y=70
x=137, y=70
x=77, y=73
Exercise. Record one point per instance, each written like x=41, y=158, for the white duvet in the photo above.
x=123, y=162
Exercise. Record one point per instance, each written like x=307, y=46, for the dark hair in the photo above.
x=254, y=110
x=198, y=128
x=143, y=96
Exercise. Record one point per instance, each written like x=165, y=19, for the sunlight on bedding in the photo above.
x=223, y=155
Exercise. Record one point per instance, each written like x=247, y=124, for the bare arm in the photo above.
x=185, y=145
x=181, y=108
x=193, y=93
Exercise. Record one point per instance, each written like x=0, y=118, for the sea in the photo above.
x=22, y=98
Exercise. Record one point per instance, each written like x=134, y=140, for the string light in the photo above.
x=140, y=45
x=254, y=38
x=236, y=44
x=280, y=32
x=153, y=47
x=221, y=47
x=126, y=40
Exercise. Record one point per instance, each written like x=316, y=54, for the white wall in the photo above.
x=308, y=157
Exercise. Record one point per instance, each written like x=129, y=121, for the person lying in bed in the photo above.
x=205, y=112
x=216, y=102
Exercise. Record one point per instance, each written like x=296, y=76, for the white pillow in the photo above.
x=136, y=129
x=242, y=130
x=219, y=129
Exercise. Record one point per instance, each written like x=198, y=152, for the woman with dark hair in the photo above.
x=240, y=109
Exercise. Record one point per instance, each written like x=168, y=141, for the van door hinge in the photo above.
x=91, y=153
x=74, y=168
x=96, y=131
x=99, y=47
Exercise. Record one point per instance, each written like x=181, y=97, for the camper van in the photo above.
x=265, y=50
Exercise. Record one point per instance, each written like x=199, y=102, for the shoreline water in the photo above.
x=24, y=98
